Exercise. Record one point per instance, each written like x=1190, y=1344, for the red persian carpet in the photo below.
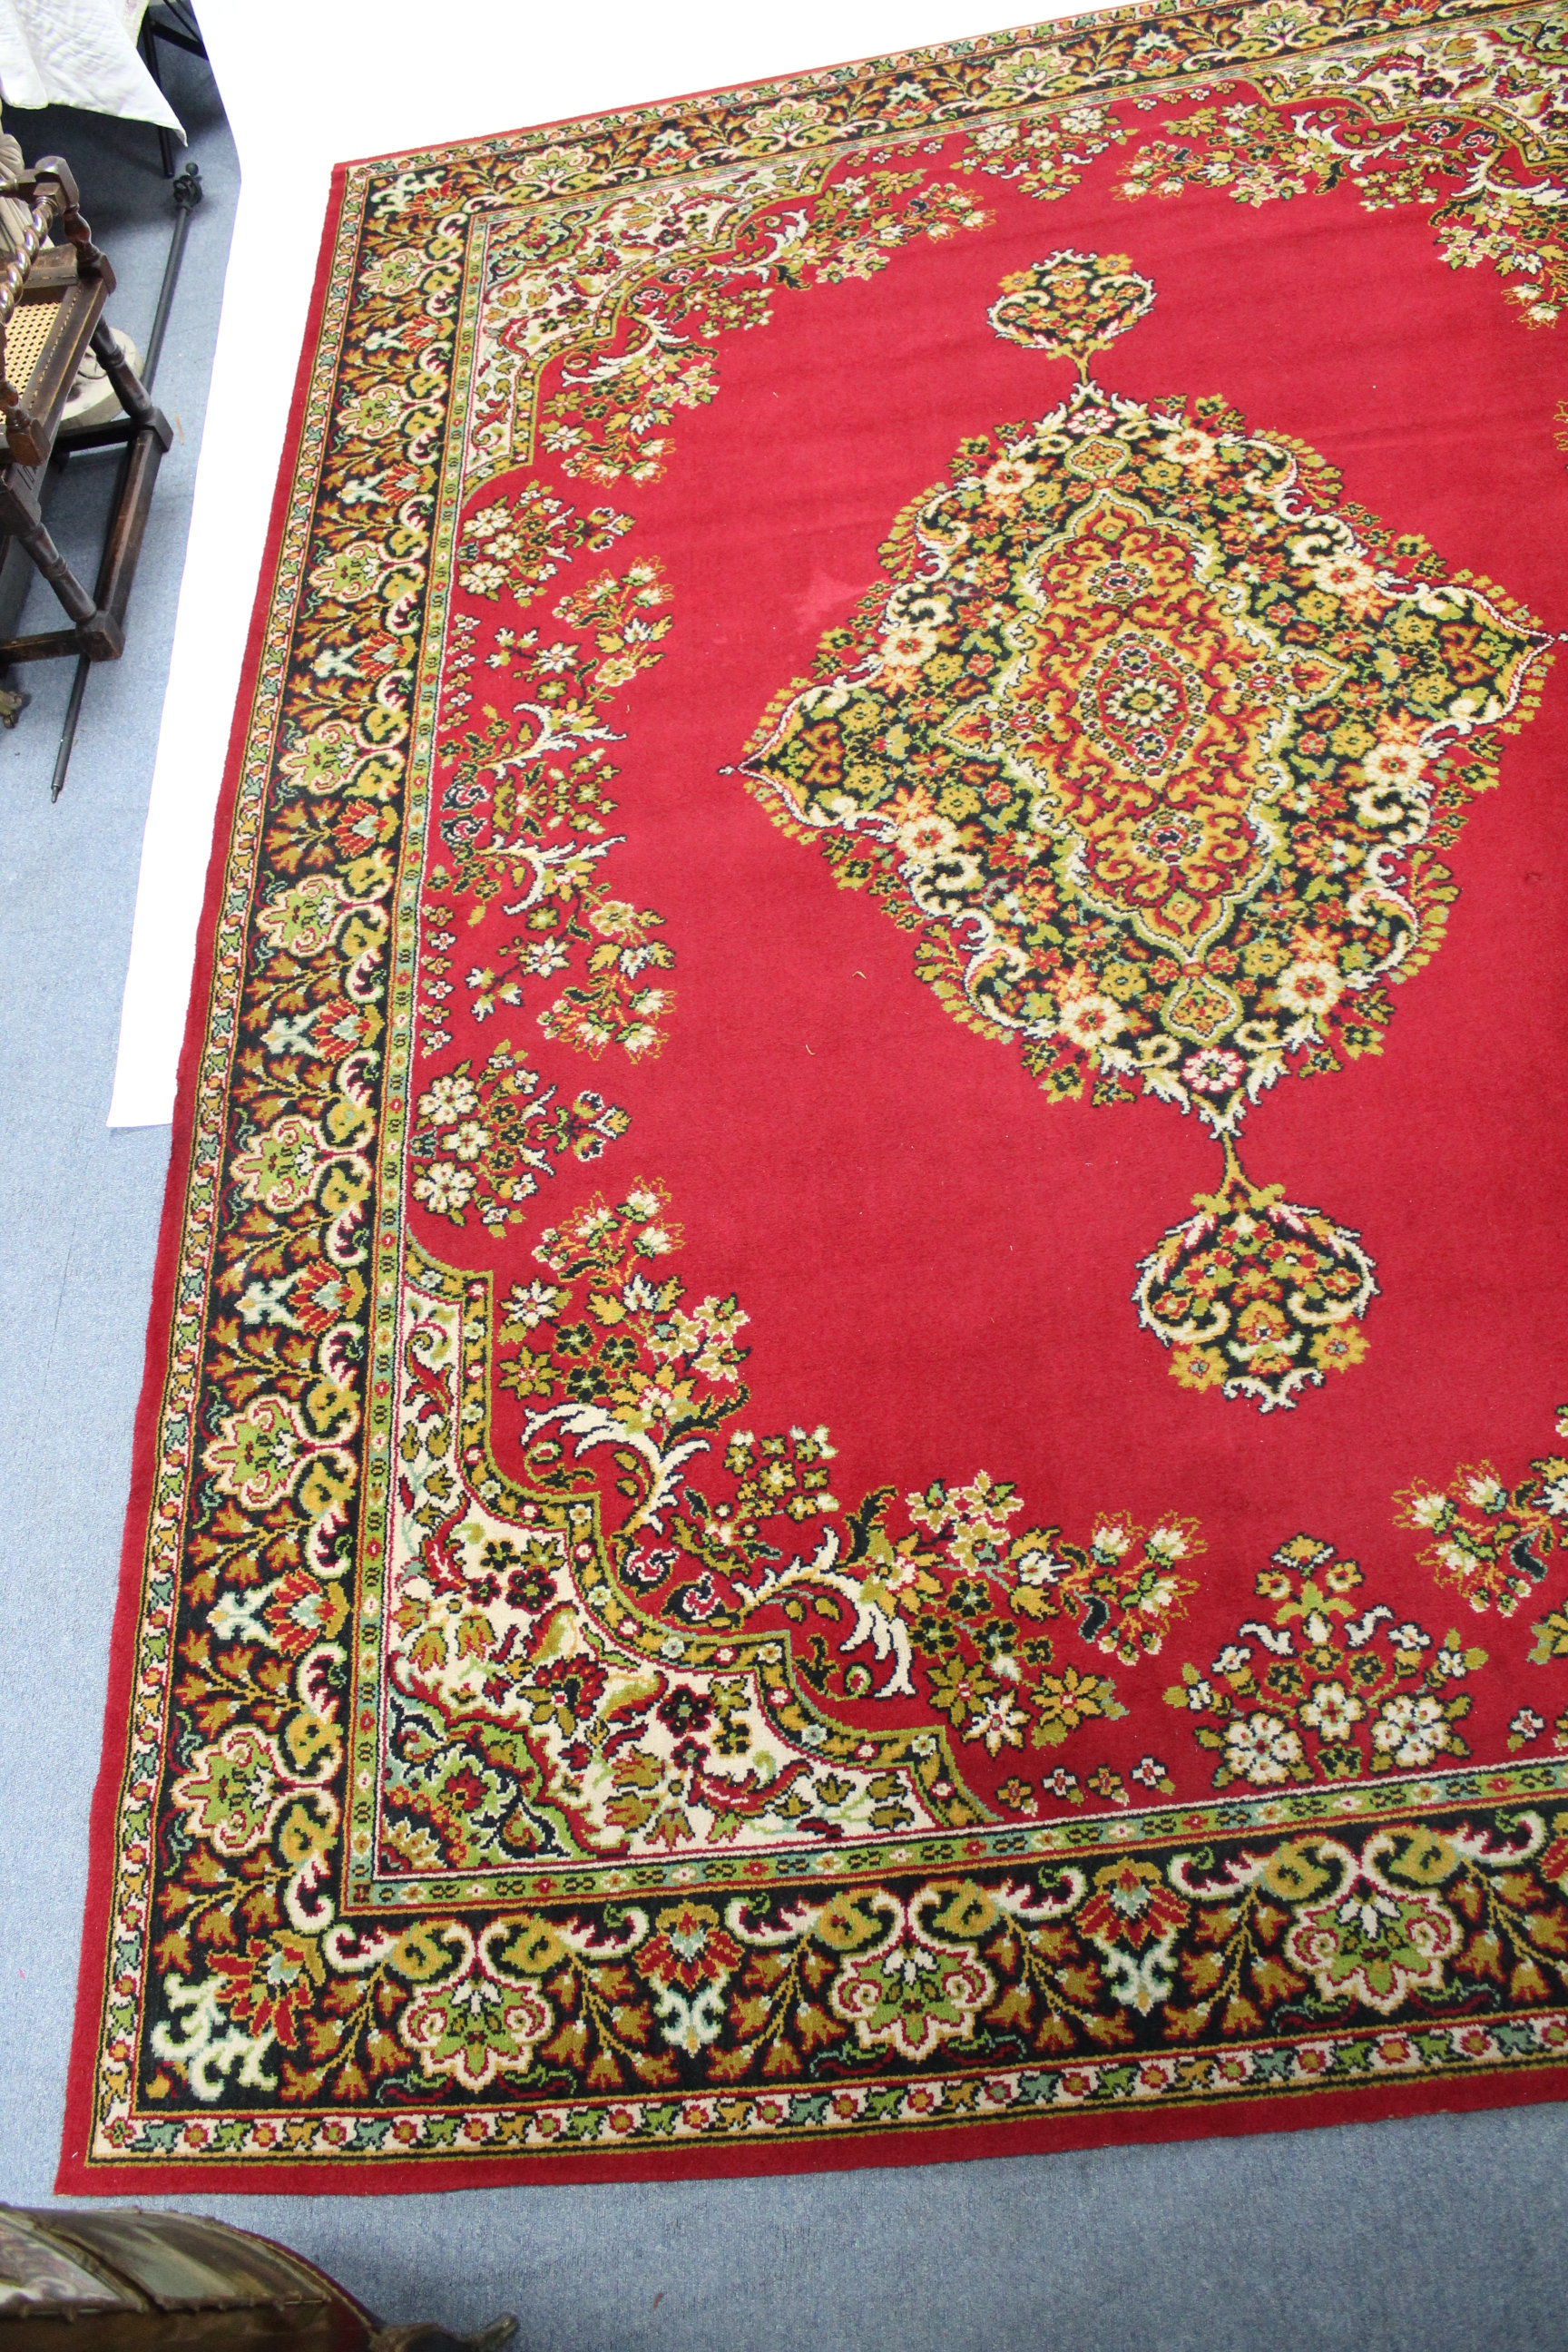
x=848, y=1444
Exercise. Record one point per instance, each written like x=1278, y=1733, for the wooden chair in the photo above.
x=51, y=312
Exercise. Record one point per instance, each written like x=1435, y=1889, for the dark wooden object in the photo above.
x=51, y=310
x=121, y=2280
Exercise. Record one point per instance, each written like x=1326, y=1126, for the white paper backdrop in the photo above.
x=303, y=89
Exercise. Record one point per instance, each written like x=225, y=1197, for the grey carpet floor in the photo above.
x=1440, y=2235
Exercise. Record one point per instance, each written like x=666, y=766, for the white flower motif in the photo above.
x=1090, y=1020
x=1352, y=579
x=450, y=1099
x=1263, y=1749
x=1039, y=1567
x=533, y=1303
x=1000, y=1724
x=1192, y=449
x=444, y=1188
x=1394, y=765
x=1310, y=984
x=926, y=838
x=482, y=579
x=1214, y=1071
x=1008, y=478
x=543, y=957
x=1332, y=1711
x=1412, y=1730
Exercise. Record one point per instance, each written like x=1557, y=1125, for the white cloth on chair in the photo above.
x=79, y=53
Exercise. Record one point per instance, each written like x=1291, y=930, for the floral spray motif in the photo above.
x=1149, y=743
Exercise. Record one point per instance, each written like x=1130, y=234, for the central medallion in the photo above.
x=1143, y=722
x=1155, y=743
x=1142, y=703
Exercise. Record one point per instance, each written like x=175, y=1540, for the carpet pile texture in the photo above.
x=771, y=1530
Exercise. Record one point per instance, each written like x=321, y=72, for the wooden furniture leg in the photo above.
x=75, y=281
x=134, y=398
x=99, y=636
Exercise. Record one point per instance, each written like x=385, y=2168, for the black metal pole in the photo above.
x=187, y=194
x=67, y=733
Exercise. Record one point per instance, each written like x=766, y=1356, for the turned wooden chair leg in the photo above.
x=100, y=632
x=128, y=388
x=56, y=571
